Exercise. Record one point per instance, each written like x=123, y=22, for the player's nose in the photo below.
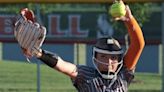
x=110, y=61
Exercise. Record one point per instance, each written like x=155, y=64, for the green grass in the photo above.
x=146, y=83
x=22, y=77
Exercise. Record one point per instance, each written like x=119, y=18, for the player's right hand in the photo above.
x=127, y=16
x=28, y=33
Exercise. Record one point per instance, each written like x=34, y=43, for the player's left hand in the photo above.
x=28, y=33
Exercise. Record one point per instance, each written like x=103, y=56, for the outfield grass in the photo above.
x=22, y=77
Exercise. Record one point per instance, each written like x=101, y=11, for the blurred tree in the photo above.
x=141, y=11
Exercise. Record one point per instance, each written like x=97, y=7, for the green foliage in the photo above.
x=9, y=8
x=141, y=12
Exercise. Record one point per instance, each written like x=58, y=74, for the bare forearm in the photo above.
x=54, y=61
x=66, y=68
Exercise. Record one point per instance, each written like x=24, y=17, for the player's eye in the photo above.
x=103, y=56
x=114, y=57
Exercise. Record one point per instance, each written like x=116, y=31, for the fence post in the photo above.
x=0, y=51
x=163, y=47
x=38, y=62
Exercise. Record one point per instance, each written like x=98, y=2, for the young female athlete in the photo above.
x=113, y=68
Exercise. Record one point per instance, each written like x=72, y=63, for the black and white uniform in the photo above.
x=89, y=80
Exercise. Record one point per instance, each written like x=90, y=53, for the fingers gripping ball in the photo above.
x=117, y=9
x=28, y=14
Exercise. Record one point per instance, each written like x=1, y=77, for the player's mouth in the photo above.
x=106, y=72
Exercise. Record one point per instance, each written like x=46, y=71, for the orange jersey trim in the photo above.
x=136, y=43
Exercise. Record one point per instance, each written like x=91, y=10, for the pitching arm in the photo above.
x=136, y=41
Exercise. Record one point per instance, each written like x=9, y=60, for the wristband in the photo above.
x=49, y=58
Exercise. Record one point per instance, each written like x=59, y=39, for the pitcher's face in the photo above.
x=107, y=62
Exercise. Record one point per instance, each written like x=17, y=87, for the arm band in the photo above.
x=49, y=58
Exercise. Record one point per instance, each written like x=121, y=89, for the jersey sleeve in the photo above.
x=84, y=73
x=136, y=44
x=128, y=75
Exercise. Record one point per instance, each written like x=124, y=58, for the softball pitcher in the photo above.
x=113, y=68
